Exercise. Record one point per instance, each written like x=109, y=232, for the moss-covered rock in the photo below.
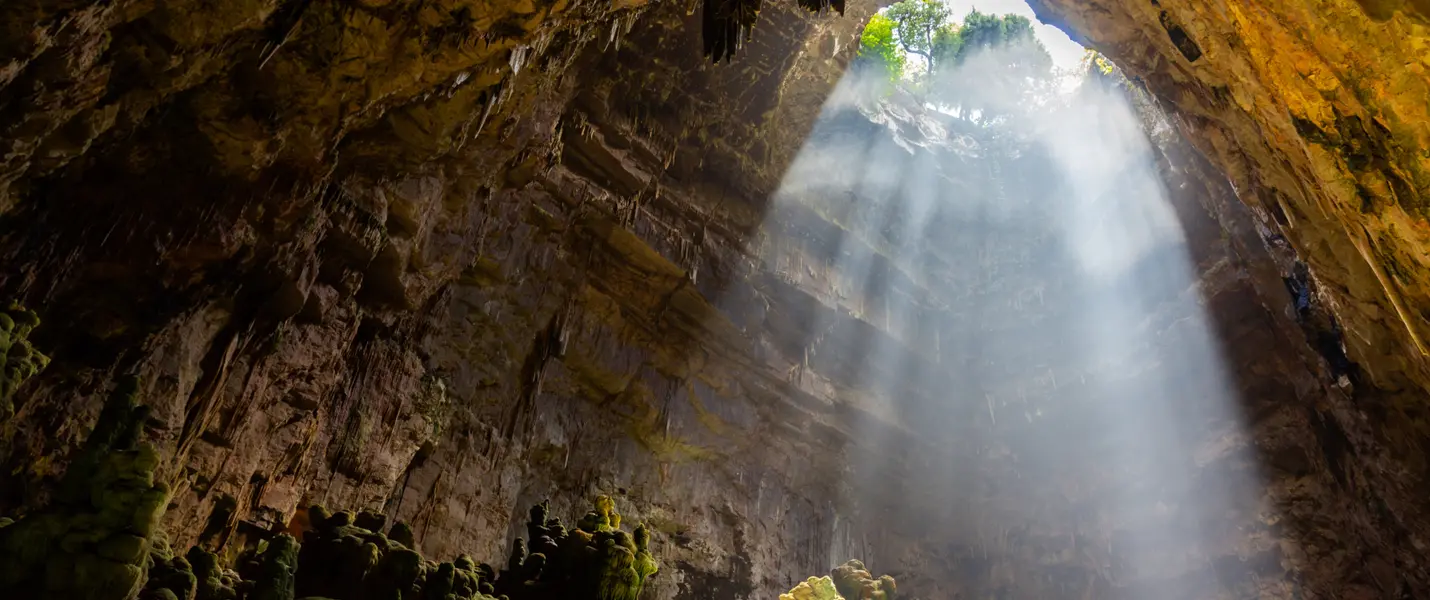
x=209, y=576
x=93, y=540
x=173, y=577
x=280, y=566
x=18, y=359
x=854, y=581
x=814, y=588
x=849, y=581
x=339, y=559
x=401, y=533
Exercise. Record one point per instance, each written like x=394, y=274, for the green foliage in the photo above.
x=982, y=32
x=987, y=66
x=879, y=50
x=991, y=65
x=917, y=24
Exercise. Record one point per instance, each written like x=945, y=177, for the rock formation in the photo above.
x=93, y=539
x=18, y=358
x=436, y=261
x=100, y=540
x=848, y=581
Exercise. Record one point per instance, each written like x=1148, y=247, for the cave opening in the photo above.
x=678, y=300
x=995, y=261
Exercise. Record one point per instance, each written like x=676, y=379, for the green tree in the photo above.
x=877, y=48
x=991, y=65
x=1008, y=38
x=917, y=26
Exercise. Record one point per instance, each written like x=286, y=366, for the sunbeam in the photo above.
x=1007, y=276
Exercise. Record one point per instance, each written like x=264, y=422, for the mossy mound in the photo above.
x=814, y=588
x=344, y=556
x=94, y=540
x=18, y=359
x=856, y=583
x=849, y=581
x=99, y=540
x=594, y=561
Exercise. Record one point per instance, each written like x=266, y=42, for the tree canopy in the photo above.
x=878, y=49
x=985, y=65
x=917, y=26
x=992, y=65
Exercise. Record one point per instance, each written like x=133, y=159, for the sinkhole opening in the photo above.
x=981, y=244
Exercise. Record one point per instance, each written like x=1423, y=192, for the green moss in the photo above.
x=543, y=220
x=341, y=555
x=439, y=585
x=93, y=540
x=209, y=576
x=402, y=533
x=814, y=588
x=854, y=581
x=19, y=361
x=398, y=575
x=280, y=566
x=174, y=576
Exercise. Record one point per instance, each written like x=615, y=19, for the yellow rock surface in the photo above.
x=1319, y=112
x=814, y=588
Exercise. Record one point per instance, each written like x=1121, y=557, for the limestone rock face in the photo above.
x=436, y=260
x=1318, y=114
x=440, y=260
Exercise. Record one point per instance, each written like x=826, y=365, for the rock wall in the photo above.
x=445, y=259
x=435, y=259
x=1036, y=478
x=1317, y=115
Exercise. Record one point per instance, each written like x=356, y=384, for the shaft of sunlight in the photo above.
x=1019, y=297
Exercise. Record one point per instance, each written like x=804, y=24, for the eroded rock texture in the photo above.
x=1317, y=113
x=440, y=260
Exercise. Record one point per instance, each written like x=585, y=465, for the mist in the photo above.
x=999, y=268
